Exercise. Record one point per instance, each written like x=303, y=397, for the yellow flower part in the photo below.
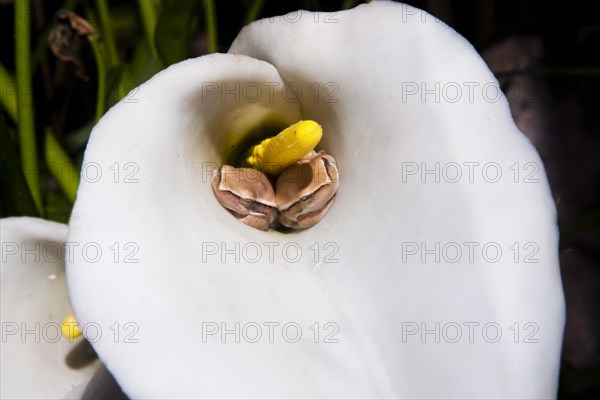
x=70, y=328
x=274, y=154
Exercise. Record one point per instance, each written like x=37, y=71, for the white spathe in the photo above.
x=34, y=303
x=182, y=271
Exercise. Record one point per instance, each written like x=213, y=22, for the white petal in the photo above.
x=187, y=279
x=160, y=290
x=34, y=303
x=379, y=129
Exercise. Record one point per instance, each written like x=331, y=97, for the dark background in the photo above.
x=546, y=57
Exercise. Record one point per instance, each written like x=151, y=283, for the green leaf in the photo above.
x=177, y=23
x=25, y=117
x=15, y=197
x=143, y=66
x=76, y=140
x=60, y=167
x=113, y=83
x=254, y=11
x=58, y=207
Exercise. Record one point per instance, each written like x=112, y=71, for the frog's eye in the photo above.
x=246, y=202
x=247, y=195
x=304, y=202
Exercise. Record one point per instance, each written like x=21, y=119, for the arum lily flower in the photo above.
x=34, y=302
x=411, y=286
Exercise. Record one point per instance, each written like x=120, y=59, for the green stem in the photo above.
x=60, y=167
x=254, y=11
x=59, y=164
x=107, y=32
x=149, y=19
x=211, y=25
x=101, y=66
x=99, y=50
x=8, y=94
x=25, y=101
